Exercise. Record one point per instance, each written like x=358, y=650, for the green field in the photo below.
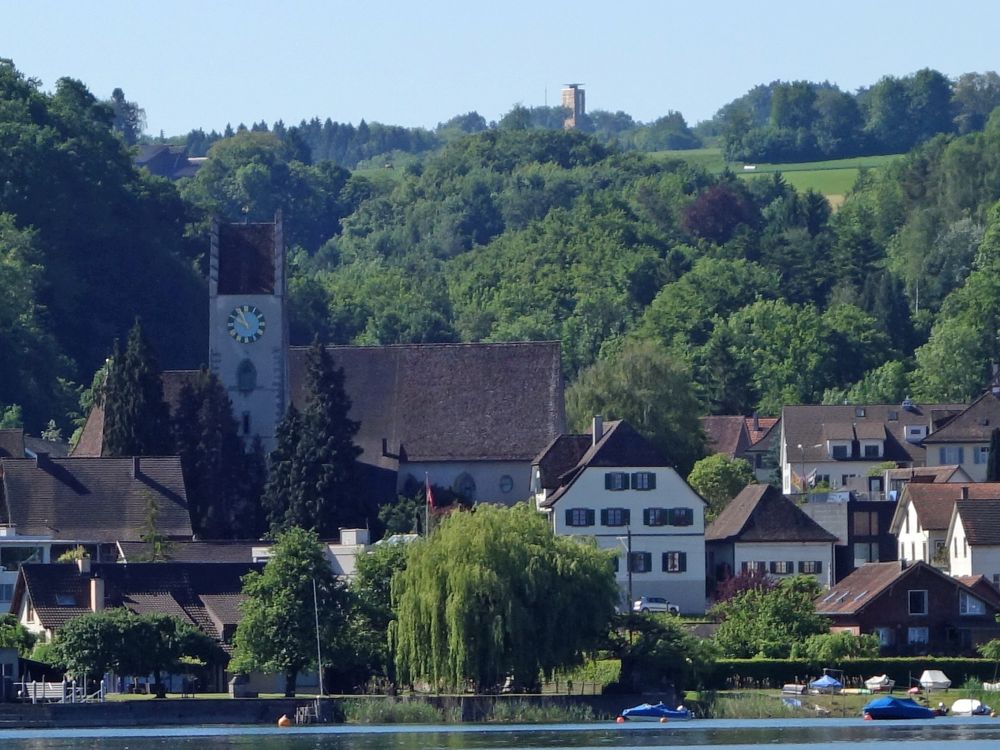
x=831, y=178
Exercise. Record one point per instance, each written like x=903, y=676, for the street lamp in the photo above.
x=627, y=543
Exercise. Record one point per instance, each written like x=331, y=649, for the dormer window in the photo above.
x=859, y=411
x=838, y=451
x=872, y=450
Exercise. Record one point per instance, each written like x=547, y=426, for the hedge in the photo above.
x=732, y=674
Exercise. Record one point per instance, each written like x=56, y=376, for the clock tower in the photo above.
x=248, y=334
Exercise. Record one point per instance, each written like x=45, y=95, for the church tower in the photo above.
x=248, y=328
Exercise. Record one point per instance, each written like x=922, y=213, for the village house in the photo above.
x=973, y=538
x=965, y=440
x=843, y=446
x=615, y=486
x=861, y=528
x=913, y=608
x=764, y=531
x=924, y=513
x=747, y=438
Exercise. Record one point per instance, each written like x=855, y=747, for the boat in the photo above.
x=880, y=683
x=934, y=679
x=890, y=707
x=826, y=684
x=657, y=712
x=970, y=707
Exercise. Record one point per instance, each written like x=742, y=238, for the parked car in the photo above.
x=655, y=604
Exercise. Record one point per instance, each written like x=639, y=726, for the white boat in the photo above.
x=969, y=707
x=991, y=687
x=880, y=683
x=934, y=679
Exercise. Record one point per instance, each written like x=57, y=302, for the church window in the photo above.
x=246, y=376
x=246, y=423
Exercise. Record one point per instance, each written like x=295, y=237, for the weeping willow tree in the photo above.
x=493, y=594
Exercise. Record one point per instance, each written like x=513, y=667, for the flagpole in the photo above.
x=427, y=505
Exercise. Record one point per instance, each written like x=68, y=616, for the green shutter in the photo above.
x=604, y=516
x=652, y=480
x=647, y=559
x=627, y=516
x=569, y=516
x=663, y=561
x=819, y=566
x=607, y=480
x=590, y=516
x=682, y=561
x=646, y=516
x=634, y=479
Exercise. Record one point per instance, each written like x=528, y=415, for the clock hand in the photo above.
x=243, y=319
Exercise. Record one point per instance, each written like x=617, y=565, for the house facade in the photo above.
x=973, y=539
x=615, y=487
x=842, y=446
x=965, y=440
x=862, y=528
x=748, y=438
x=913, y=608
x=764, y=531
x=923, y=516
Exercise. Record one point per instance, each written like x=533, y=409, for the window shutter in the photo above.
x=608, y=480
x=651, y=480
x=627, y=516
x=819, y=566
x=569, y=516
x=590, y=516
x=647, y=561
x=961, y=454
x=942, y=457
x=646, y=513
x=604, y=516
x=790, y=567
x=682, y=562
x=773, y=566
x=634, y=479
x=664, y=561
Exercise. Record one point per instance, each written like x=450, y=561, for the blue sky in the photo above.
x=203, y=64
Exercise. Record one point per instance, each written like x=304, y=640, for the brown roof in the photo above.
x=760, y=513
x=191, y=551
x=758, y=427
x=974, y=425
x=59, y=592
x=449, y=402
x=726, y=434
x=935, y=501
x=867, y=582
x=925, y=473
x=94, y=499
x=91, y=440
x=559, y=457
x=620, y=445
x=12, y=443
x=981, y=520
x=810, y=425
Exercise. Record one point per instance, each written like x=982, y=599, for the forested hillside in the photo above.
x=737, y=296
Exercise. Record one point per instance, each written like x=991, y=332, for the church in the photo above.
x=470, y=417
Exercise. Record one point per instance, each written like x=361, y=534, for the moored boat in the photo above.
x=969, y=707
x=880, y=683
x=656, y=712
x=889, y=707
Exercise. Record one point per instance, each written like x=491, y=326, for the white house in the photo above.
x=924, y=514
x=762, y=530
x=616, y=487
x=973, y=539
x=965, y=440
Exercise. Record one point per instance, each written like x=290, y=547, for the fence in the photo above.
x=67, y=691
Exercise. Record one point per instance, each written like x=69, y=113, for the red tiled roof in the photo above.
x=934, y=501
x=760, y=513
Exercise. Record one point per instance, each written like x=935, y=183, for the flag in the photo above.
x=430, y=494
x=812, y=478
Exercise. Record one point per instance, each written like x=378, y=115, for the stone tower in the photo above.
x=248, y=336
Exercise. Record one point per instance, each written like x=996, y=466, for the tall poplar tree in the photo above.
x=312, y=481
x=136, y=418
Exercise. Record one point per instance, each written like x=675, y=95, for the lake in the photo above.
x=790, y=734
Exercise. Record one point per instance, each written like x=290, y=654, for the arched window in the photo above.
x=465, y=486
x=246, y=376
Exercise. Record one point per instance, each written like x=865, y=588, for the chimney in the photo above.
x=83, y=564
x=756, y=422
x=965, y=492
x=96, y=594
x=41, y=459
x=598, y=428
x=136, y=467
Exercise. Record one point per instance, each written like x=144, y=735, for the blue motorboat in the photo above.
x=656, y=712
x=890, y=707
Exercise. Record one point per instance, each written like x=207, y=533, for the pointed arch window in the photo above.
x=246, y=377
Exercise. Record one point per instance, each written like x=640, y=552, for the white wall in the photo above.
x=913, y=544
x=976, y=472
x=794, y=552
x=686, y=589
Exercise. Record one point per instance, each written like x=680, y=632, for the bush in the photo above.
x=389, y=711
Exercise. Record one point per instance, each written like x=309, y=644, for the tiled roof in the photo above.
x=864, y=584
x=760, y=513
x=981, y=520
x=974, y=425
x=449, y=402
x=725, y=434
x=95, y=499
x=924, y=473
x=811, y=425
x=559, y=457
x=935, y=501
x=620, y=445
x=758, y=427
x=12, y=443
x=185, y=551
x=60, y=592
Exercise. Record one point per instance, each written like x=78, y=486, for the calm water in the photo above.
x=960, y=734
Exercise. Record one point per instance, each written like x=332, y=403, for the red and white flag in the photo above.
x=430, y=494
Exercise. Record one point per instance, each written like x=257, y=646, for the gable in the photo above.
x=973, y=425
x=760, y=513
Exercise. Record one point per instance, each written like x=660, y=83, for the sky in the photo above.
x=205, y=64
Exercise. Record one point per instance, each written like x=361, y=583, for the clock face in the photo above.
x=246, y=324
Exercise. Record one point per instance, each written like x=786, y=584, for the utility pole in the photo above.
x=319, y=655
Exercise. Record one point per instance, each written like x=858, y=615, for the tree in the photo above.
x=277, y=630
x=136, y=418
x=647, y=388
x=993, y=463
x=833, y=648
x=719, y=479
x=313, y=470
x=14, y=635
x=487, y=596
x=129, y=117
x=224, y=482
x=767, y=623
x=660, y=653
x=91, y=644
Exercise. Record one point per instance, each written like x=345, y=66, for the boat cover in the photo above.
x=889, y=707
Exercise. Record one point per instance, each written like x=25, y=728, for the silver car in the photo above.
x=655, y=604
